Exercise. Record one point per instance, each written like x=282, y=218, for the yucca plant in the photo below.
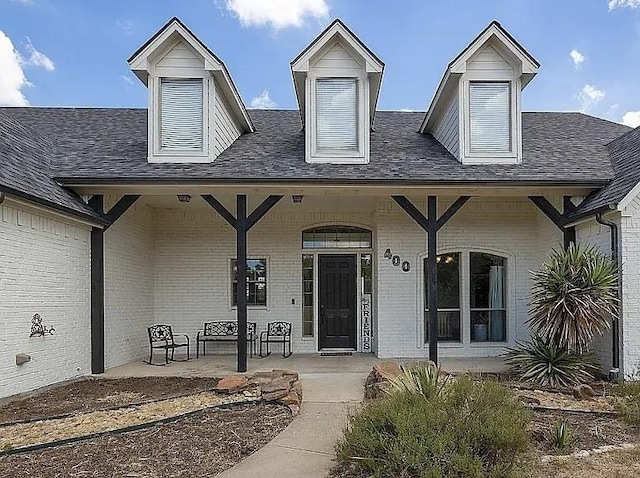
x=424, y=380
x=544, y=362
x=574, y=297
x=561, y=436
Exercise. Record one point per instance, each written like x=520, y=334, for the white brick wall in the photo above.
x=507, y=227
x=192, y=268
x=44, y=269
x=591, y=232
x=630, y=325
x=128, y=290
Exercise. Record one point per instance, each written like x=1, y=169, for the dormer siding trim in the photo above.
x=492, y=57
x=175, y=53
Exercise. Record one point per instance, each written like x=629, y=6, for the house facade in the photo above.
x=364, y=229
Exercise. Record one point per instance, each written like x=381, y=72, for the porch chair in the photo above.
x=277, y=332
x=162, y=337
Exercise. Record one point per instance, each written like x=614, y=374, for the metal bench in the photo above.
x=162, y=337
x=277, y=332
x=224, y=331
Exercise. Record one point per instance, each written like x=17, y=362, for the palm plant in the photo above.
x=574, y=297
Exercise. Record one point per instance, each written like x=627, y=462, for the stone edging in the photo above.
x=586, y=453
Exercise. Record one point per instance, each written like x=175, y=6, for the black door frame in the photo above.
x=354, y=256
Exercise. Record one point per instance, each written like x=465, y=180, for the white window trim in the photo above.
x=465, y=302
x=156, y=153
x=469, y=157
x=229, y=286
x=313, y=155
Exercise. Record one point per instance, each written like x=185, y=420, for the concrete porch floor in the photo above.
x=219, y=365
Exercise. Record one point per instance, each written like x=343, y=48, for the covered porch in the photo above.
x=173, y=261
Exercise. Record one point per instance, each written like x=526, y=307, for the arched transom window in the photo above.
x=336, y=237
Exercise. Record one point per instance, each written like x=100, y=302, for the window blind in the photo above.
x=337, y=114
x=490, y=117
x=181, y=115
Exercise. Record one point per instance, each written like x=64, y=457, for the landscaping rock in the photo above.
x=377, y=381
x=276, y=385
x=583, y=392
x=275, y=395
x=528, y=400
x=232, y=384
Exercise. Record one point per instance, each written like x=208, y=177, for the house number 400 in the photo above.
x=395, y=260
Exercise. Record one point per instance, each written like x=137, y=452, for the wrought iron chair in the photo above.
x=162, y=337
x=277, y=332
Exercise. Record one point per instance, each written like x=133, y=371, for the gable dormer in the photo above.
x=337, y=81
x=195, y=111
x=476, y=112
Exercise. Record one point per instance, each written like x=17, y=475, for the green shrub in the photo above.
x=561, y=437
x=474, y=429
x=628, y=402
x=545, y=363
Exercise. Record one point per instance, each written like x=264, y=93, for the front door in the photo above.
x=337, y=301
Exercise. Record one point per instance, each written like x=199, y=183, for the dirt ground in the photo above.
x=203, y=444
x=615, y=464
x=98, y=394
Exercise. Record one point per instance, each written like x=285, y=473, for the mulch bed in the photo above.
x=98, y=394
x=202, y=444
x=589, y=431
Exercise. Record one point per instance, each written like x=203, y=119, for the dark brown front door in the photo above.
x=337, y=294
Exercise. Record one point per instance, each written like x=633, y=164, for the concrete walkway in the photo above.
x=331, y=386
x=305, y=448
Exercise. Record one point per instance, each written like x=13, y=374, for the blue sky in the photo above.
x=74, y=52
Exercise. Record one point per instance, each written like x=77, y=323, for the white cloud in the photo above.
x=631, y=118
x=623, y=3
x=577, y=58
x=263, y=102
x=125, y=25
x=407, y=110
x=278, y=14
x=37, y=58
x=12, y=79
x=590, y=96
x=126, y=79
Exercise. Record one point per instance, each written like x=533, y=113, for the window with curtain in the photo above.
x=490, y=117
x=336, y=114
x=256, y=282
x=487, y=294
x=448, y=298
x=181, y=112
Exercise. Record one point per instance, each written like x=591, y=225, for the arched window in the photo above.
x=485, y=285
x=337, y=237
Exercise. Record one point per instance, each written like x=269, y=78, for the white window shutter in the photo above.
x=181, y=115
x=336, y=114
x=490, y=117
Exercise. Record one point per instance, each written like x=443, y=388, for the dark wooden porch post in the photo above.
x=242, y=224
x=431, y=225
x=241, y=292
x=97, y=290
x=97, y=274
x=559, y=219
x=432, y=275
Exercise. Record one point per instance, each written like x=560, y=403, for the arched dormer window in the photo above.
x=337, y=237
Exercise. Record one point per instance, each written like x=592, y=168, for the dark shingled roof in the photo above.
x=625, y=157
x=110, y=145
x=25, y=170
x=93, y=145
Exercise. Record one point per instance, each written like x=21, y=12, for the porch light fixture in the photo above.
x=297, y=198
x=184, y=198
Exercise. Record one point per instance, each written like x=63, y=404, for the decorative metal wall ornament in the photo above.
x=39, y=330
